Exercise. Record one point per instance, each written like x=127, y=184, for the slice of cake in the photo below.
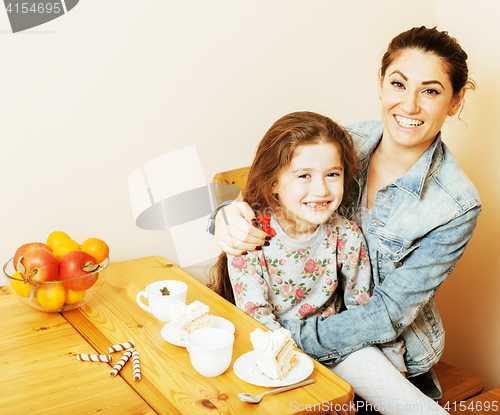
x=274, y=352
x=189, y=318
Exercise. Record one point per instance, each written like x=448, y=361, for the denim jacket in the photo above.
x=419, y=228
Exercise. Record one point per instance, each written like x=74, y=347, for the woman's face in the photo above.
x=416, y=97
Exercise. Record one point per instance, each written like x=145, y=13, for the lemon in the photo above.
x=19, y=287
x=56, y=237
x=65, y=246
x=51, y=295
x=97, y=248
x=74, y=297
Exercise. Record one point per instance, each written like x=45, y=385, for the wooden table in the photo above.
x=40, y=372
x=42, y=375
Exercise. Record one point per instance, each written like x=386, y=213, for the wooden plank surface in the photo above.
x=457, y=384
x=40, y=371
x=487, y=403
x=170, y=385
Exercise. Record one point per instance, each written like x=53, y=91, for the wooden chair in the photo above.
x=457, y=384
x=233, y=183
x=237, y=176
x=486, y=403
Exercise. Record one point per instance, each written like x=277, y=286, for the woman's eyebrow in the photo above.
x=402, y=75
x=433, y=82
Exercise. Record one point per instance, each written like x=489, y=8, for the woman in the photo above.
x=414, y=204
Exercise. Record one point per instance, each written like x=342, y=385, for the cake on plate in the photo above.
x=188, y=318
x=274, y=352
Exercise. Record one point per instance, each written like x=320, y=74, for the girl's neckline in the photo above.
x=298, y=243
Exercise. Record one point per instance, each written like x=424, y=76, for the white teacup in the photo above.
x=159, y=303
x=210, y=350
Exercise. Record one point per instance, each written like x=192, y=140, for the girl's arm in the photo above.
x=394, y=304
x=250, y=282
x=355, y=269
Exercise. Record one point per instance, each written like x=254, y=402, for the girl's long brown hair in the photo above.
x=274, y=153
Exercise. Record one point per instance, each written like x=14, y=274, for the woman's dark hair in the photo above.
x=275, y=153
x=432, y=41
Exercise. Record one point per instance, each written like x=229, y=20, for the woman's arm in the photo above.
x=233, y=231
x=395, y=303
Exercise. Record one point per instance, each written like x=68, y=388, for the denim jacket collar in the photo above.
x=413, y=180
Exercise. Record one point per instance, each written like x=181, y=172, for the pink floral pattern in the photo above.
x=283, y=281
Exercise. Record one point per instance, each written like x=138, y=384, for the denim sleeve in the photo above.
x=395, y=303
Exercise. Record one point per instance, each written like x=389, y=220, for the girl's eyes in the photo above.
x=429, y=91
x=307, y=176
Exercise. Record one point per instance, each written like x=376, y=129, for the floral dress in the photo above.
x=298, y=279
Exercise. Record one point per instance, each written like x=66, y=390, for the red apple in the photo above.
x=38, y=265
x=25, y=248
x=78, y=264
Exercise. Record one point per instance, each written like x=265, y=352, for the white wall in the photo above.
x=93, y=95
x=468, y=301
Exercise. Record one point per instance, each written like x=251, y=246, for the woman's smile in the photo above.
x=408, y=123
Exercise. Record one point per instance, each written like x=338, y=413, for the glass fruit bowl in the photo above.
x=54, y=296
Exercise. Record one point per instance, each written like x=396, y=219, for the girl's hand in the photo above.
x=234, y=232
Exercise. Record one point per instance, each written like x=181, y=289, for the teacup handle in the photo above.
x=141, y=304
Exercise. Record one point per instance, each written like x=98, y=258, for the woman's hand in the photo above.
x=234, y=232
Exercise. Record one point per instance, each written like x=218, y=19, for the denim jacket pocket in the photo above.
x=391, y=255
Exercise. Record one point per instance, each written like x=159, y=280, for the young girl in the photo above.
x=296, y=186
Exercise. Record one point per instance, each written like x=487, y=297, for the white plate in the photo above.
x=169, y=333
x=247, y=370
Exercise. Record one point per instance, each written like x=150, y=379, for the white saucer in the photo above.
x=169, y=333
x=247, y=370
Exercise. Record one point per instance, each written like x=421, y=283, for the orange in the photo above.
x=56, y=237
x=97, y=248
x=20, y=288
x=74, y=297
x=65, y=246
x=51, y=295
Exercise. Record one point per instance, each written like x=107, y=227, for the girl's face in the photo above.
x=416, y=97
x=310, y=189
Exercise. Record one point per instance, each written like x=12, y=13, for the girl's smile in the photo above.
x=318, y=206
